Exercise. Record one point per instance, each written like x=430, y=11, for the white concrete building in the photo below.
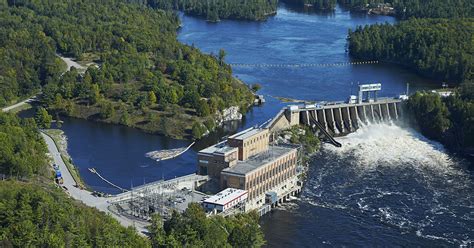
x=225, y=200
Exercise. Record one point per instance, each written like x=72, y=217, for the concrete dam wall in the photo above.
x=336, y=119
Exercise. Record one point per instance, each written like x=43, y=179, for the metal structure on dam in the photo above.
x=340, y=118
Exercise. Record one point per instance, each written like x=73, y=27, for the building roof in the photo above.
x=225, y=196
x=221, y=147
x=246, y=133
x=254, y=162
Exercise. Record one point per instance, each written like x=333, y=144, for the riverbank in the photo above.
x=171, y=121
x=83, y=195
x=447, y=119
x=60, y=141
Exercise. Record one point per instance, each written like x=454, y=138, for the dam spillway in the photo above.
x=337, y=118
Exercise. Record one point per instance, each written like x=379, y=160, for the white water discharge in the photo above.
x=398, y=177
x=390, y=145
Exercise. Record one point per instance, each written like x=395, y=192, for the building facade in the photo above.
x=273, y=171
x=248, y=162
x=225, y=200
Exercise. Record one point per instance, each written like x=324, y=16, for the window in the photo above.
x=203, y=170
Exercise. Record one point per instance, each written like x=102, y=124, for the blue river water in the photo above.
x=387, y=186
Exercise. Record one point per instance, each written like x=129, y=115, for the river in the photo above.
x=387, y=186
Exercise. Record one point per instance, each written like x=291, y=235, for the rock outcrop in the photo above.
x=229, y=114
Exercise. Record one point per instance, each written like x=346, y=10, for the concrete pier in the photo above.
x=380, y=113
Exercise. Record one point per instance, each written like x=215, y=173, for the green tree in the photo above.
x=125, y=119
x=43, y=118
x=193, y=229
x=222, y=55
x=431, y=113
x=94, y=94
x=198, y=130
x=22, y=151
x=106, y=110
x=436, y=48
x=42, y=216
x=256, y=87
x=203, y=109
x=132, y=62
x=151, y=97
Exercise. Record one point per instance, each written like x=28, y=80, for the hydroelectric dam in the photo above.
x=330, y=119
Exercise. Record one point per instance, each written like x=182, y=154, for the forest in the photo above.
x=22, y=150
x=449, y=120
x=436, y=48
x=32, y=216
x=406, y=9
x=214, y=10
x=316, y=4
x=145, y=78
x=433, y=8
x=259, y=10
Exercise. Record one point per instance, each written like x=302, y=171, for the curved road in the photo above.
x=16, y=105
x=82, y=195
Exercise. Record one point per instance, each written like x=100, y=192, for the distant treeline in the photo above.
x=214, y=10
x=437, y=48
x=316, y=4
x=420, y=8
x=404, y=9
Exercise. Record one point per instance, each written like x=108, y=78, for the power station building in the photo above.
x=247, y=161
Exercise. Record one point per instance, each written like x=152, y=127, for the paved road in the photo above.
x=6, y=109
x=82, y=195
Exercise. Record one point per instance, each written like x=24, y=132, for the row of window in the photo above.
x=271, y=184
x=255, y=140
x=271, y=173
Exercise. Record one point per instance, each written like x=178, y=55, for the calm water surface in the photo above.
x=377, y=191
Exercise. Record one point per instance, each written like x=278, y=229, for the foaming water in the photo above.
x=390, y=145
x=400, y=178
x=386, y=186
